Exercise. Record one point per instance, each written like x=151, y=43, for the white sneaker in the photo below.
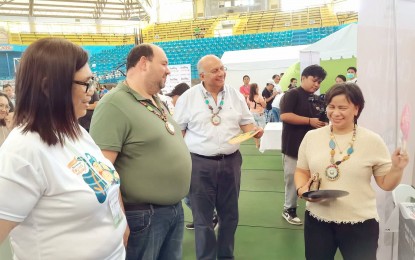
x=291, y=216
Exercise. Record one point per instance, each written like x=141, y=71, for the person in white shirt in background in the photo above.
x=351, y=75
x=277, y=78
x=276, y=107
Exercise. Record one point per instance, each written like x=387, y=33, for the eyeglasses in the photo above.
x=3, y=106
x=216, y=71
x=91, y=84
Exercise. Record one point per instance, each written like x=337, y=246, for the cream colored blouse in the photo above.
x=370, y=158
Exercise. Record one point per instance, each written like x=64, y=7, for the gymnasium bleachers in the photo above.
x=190, y=51
x=81, y=39
x=246, y=23
x=261, y=29
x=345, y=18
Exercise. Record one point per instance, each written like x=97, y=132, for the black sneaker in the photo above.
x=190, y=226
x=215, y=222
x=291, y=216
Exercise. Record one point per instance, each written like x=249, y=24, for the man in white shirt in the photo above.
x=276, y=107
x=210, y=114
x=351, y=75
x=277, y=78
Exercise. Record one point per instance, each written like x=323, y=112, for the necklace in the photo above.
x=159, y=112
x=333, y=171
x=215, y=119
x=337, y=144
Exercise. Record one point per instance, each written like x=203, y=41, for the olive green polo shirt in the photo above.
x=154, y=166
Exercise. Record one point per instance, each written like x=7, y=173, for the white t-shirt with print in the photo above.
x=277, y=100
x=65, y=199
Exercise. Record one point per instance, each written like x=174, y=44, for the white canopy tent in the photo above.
x=259, y=64
x=340, y=44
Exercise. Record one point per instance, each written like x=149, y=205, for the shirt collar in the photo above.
x=134, y=93
x=207, y=92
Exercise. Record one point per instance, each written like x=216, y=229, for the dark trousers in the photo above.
x=355, y=241
x=215, y=183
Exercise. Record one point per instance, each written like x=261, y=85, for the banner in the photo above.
x=178, y=74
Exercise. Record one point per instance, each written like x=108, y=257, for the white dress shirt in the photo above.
x=193, y=115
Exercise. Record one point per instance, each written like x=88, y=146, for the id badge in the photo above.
x=115, y=207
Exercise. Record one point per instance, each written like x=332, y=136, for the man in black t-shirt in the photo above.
x=269, y=94
x=299, y=116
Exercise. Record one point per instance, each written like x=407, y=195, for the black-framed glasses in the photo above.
x=91, y=84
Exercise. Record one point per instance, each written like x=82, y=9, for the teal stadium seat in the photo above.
x=190, y=51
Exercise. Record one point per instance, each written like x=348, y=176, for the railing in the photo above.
x=247, y=23
x=81, y=39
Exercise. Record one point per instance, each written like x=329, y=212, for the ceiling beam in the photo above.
x=88, y=2
x=30, y=7
x=62, y=6
x=5, y=2
x=65, y=11
x=58, y=16
x=97, y=9
x=25, y=8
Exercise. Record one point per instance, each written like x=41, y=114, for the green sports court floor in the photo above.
x=262, y=233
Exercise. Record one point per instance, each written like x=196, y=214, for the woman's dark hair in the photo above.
x=2, y=121
x=342, y=77
x=142, y=50
x=291, y=81
x=8, y=99
x=44, y=89
x=352, y=92
x=252, y=91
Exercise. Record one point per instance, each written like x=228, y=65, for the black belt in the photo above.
x=142, y=206
x=215, y=157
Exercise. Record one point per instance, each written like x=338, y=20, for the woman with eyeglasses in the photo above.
x=59, y=196
x=4, y=113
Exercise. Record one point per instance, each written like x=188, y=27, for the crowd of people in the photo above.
x=106, y=174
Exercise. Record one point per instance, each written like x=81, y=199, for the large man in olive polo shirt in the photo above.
x=135, y=132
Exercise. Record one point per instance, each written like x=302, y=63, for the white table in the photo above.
x=271, y=139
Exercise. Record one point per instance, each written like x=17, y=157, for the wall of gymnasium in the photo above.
x=386, y=34
x=209, y=8
x=332, y=67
